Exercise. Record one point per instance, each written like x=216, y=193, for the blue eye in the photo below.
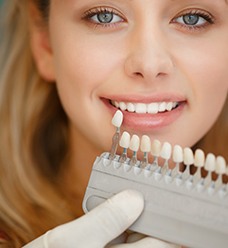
x=103, y=16
x=106, y=17
x=191, y=20
x=194, y=19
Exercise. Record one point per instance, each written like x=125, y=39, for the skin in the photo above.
x=148, y=54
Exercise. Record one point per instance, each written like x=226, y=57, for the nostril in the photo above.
x=138, y=74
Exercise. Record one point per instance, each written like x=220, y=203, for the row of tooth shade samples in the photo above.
x=163, y=159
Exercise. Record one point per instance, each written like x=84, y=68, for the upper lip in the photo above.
x=165, y=97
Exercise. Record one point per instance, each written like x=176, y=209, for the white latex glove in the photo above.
x=137, y=240
x=100, y=226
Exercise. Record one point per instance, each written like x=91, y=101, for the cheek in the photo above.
x=82, y=72
x=205, y=63
x=205, y=76
x=210, y=90
x=83, y=66
x=206, y=67
x=211, y=87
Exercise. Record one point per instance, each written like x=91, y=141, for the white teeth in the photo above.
x=143, y=108
x=145, y=144
x=210, y=162
x=140, y=108
x=130, y=107
x=188, y=156
x=125, y=140
x=175, y=104
x=162, y=107
x=114, y=103
x=178, y=155
x=169, y=106
x=220, y=167
x=199, y=158
x=152, y=108
x=134, y=143
x=156, y=148
x=117, y=119
x=122, y=106
x=166, y=151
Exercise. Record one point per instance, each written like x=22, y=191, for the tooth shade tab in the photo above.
x=134, y=143
x=166, y=151
x=199, y=158
x=145, y=144
x=156, y=148
x=178, y=156
x=117, y=119
x=220, y=167
x=188, y=156
x=125, y=140
x=210, y=162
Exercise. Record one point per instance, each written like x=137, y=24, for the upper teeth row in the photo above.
x=143, y=108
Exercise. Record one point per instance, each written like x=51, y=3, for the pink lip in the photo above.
x=148, y=122
x=162, y=97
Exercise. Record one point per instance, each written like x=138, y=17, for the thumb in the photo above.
x=113, y=217
x=101, y=225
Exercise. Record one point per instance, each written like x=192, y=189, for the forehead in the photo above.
x=71, y=4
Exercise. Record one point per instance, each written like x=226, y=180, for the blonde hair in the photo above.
x=33, y=137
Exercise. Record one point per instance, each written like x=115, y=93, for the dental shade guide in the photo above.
x=180, y=207
x=117, y=122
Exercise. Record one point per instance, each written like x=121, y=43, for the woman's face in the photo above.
x=164, y=63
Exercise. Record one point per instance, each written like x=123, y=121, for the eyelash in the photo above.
x=88, y=15
x=93, y=13
x=208, y=18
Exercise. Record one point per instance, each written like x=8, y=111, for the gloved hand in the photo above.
x=100, y=226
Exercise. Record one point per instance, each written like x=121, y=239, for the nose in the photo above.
x=148, y=58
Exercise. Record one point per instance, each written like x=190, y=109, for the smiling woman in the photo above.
x=65, y=68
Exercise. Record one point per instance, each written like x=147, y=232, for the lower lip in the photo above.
x=148, y=122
